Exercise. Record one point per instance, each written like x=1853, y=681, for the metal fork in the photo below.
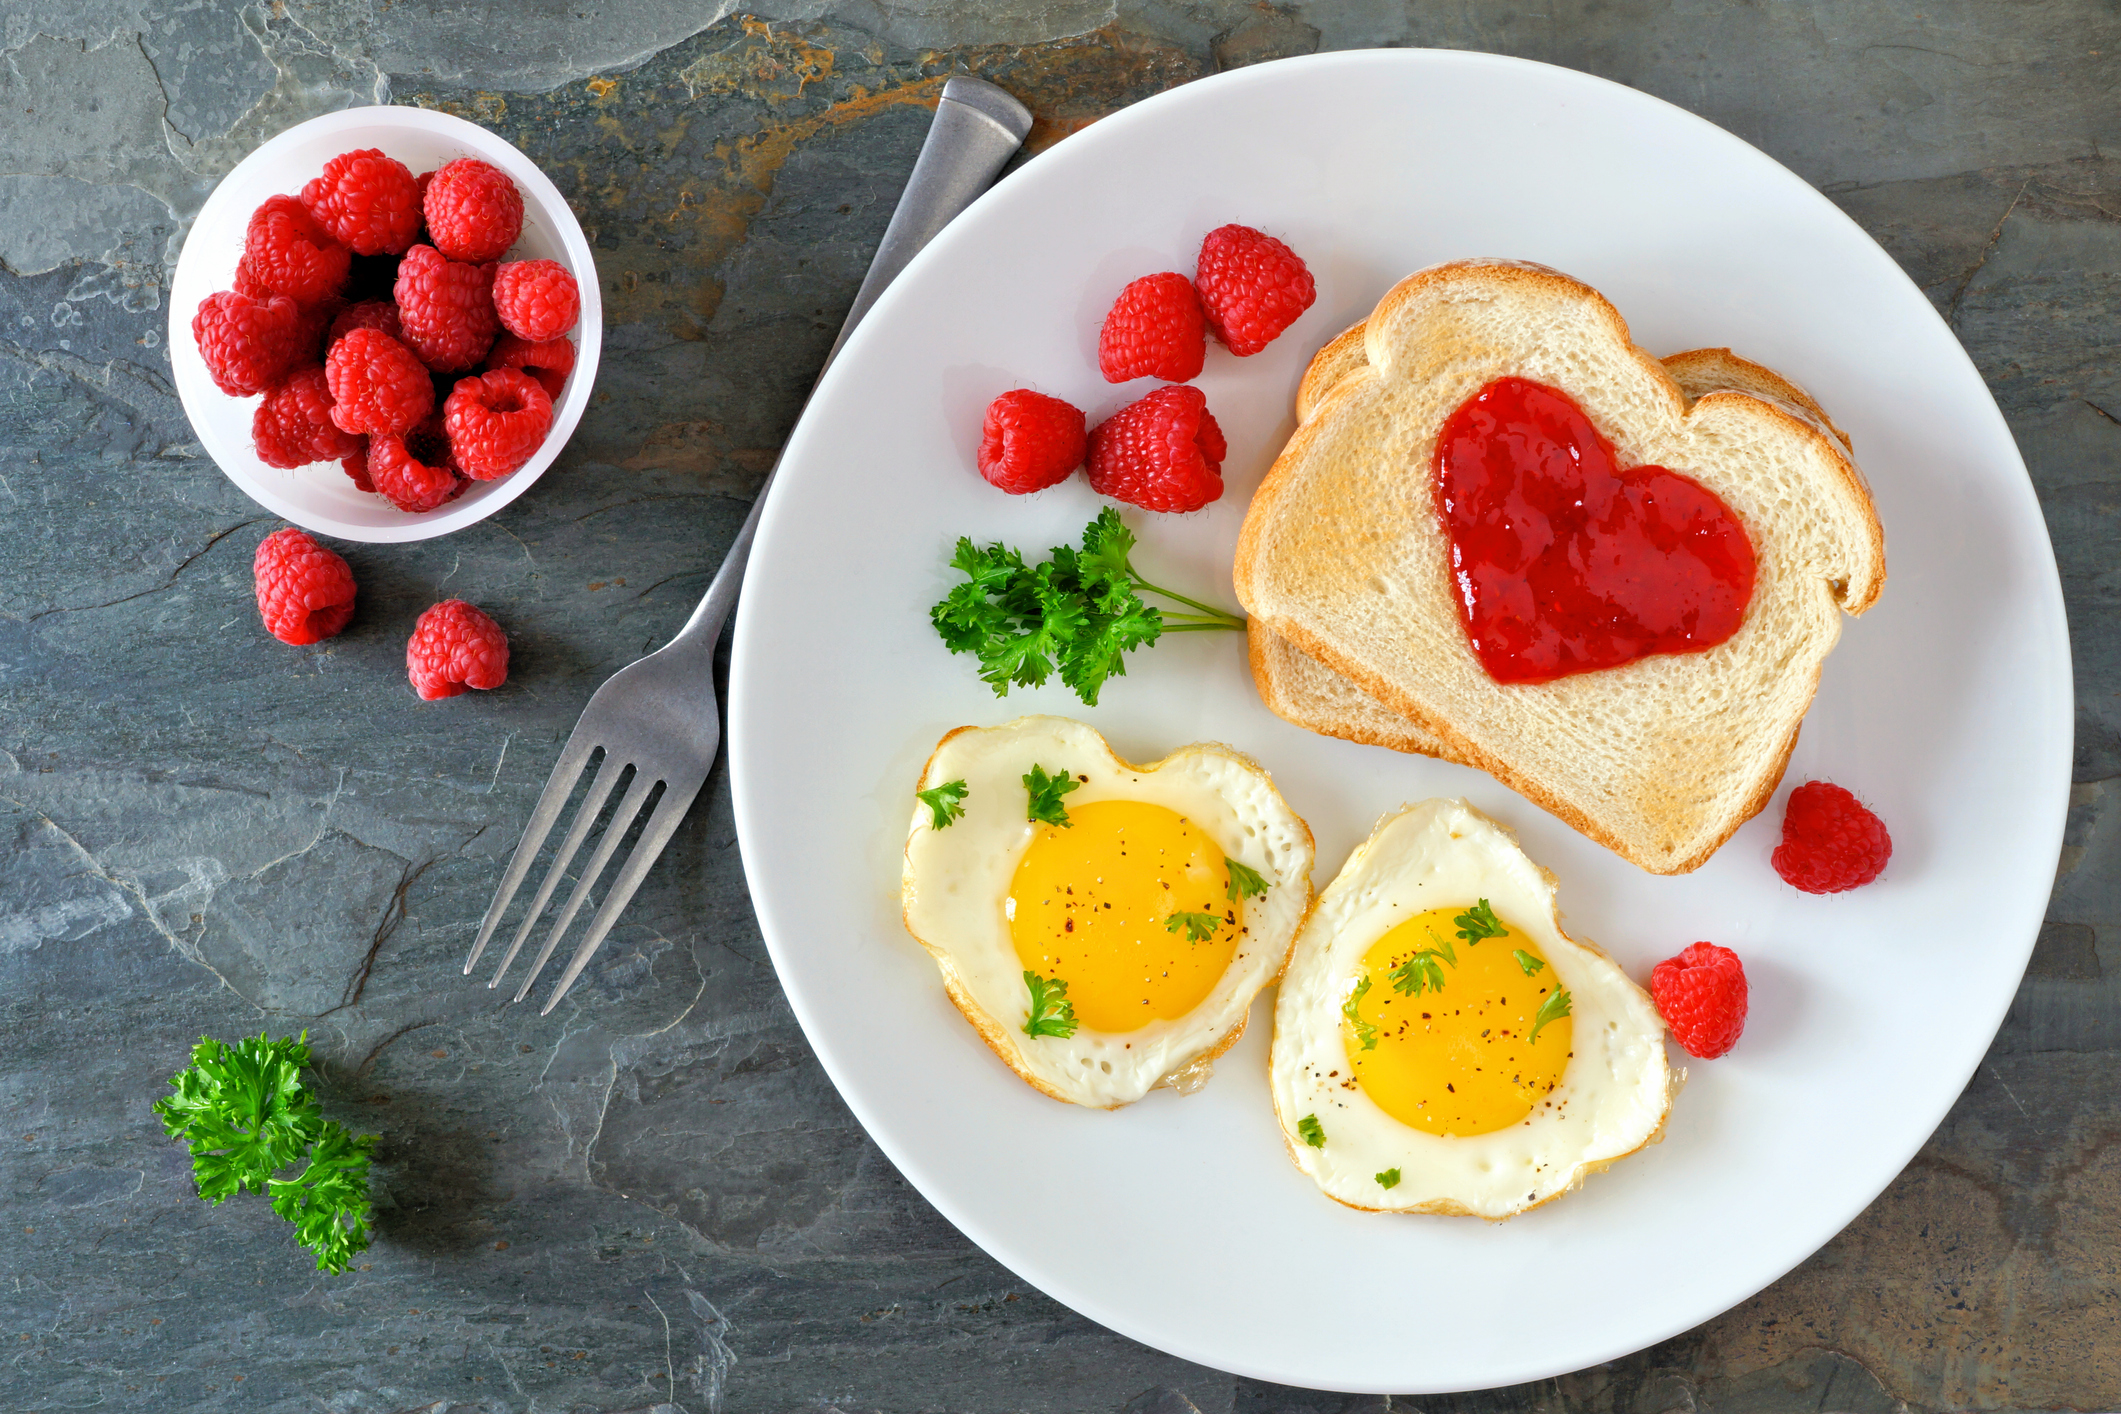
x=659, y=716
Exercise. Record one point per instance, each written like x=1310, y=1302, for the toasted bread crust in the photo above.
x=1342, y=379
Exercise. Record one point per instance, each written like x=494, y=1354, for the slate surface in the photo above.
x=655, y=1200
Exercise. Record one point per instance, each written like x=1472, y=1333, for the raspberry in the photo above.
x=474, y=213
x=247, y=343
x=1830, y=841
x=1252, y=286
x=365, y=314
x=1162, y=452
x=536, y=299
x=1155, y=330
x=305, y=592
x=1030, y=442
x=291, y=254
x=356, y=466
x=495, y=421
x=455, y=646
x=292, y=426
x=1701, y=994
x=366, y=201
x=446, y=309
x=248, y=284
x=376, y=383
x=414, y=473
x=549, y=362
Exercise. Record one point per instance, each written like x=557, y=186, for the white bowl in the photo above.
x=321, y=497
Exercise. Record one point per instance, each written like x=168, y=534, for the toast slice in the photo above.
x=1342, y=562
x=1300, y=689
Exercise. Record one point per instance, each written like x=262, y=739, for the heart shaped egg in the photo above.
x=1441, y=1046
x=1104, y=926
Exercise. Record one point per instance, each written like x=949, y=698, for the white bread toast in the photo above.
x=1341, y=563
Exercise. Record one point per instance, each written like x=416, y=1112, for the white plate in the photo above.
x=1179, y=1222
x=321, y=497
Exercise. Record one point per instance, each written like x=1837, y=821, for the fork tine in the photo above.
x=558, y=786
x=636, y=797
x=608, y=772
x=669, y=814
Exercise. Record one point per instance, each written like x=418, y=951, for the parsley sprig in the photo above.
x=1365, y=1031
x=1479, y=922
x=244, y=1113
x=1044, y=794
x=1051, y=1014
x=1527, y=963
x=1199, y=926
x=1554, y=1008
x=943, y=801
x=1311, y=1131
x=1244, y=881
x=1079, y=613
x=1421, y=972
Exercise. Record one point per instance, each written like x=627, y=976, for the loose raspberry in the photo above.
x=495, y=421
x=446, y=309
x=1830, y=841
x=1030, y=442
x=377, y=384
x=356, y=466
x=549, y=362
x=1155, y=330
x=414, y=473
x=366, y=201
x=536, y=299
x=474, y=213
x=305, y=592
x=247, y=343
x=365, y=314
x=1252, y=286
x=292, y=426
x=291, y=254
x=1702, y=996
x=455, y=646
x=1162, y=452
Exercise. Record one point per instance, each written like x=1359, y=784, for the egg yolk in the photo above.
x=1092, y=904
x=1459, y=1058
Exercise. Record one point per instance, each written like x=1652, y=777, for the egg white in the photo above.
x=958, y=878
x=1612, y=1098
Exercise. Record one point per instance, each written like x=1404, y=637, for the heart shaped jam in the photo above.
x=1563, y=563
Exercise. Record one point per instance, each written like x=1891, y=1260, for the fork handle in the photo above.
x=977, y=128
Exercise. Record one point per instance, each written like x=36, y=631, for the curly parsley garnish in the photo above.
x=943, y=800
x=1388, y=1179
x=1527, y=963
x=1244, y=882
x=1046, y=792
x=1554, y=1008
x=1365, y=1031
x=1311, y=1131
x=244, y=1113
x=1079, y=613
x=1422, y=971
x=1199, y=926
x=1051, y=1014
x=1479, y=922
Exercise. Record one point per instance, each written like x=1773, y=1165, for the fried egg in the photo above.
x=1441, y=1046
x=1105, y=926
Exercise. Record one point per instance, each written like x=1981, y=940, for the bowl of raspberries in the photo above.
x=385, y=324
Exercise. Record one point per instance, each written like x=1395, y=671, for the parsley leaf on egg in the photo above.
x=1479, y=922
x=1199, y=926
x=1365, y=1031
x=943, y=800
x=1079, y=614
x=1527, y=963
x=1046, y=792
x=1244, y=882
x=1554, y=1008
x=1051, y=1014
x=1388, y=1179
x=1422, y=971
x=1312, y=1132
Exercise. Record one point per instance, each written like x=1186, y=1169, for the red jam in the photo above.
x=1561, y=562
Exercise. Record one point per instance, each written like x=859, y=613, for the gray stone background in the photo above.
x=654, y=1199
